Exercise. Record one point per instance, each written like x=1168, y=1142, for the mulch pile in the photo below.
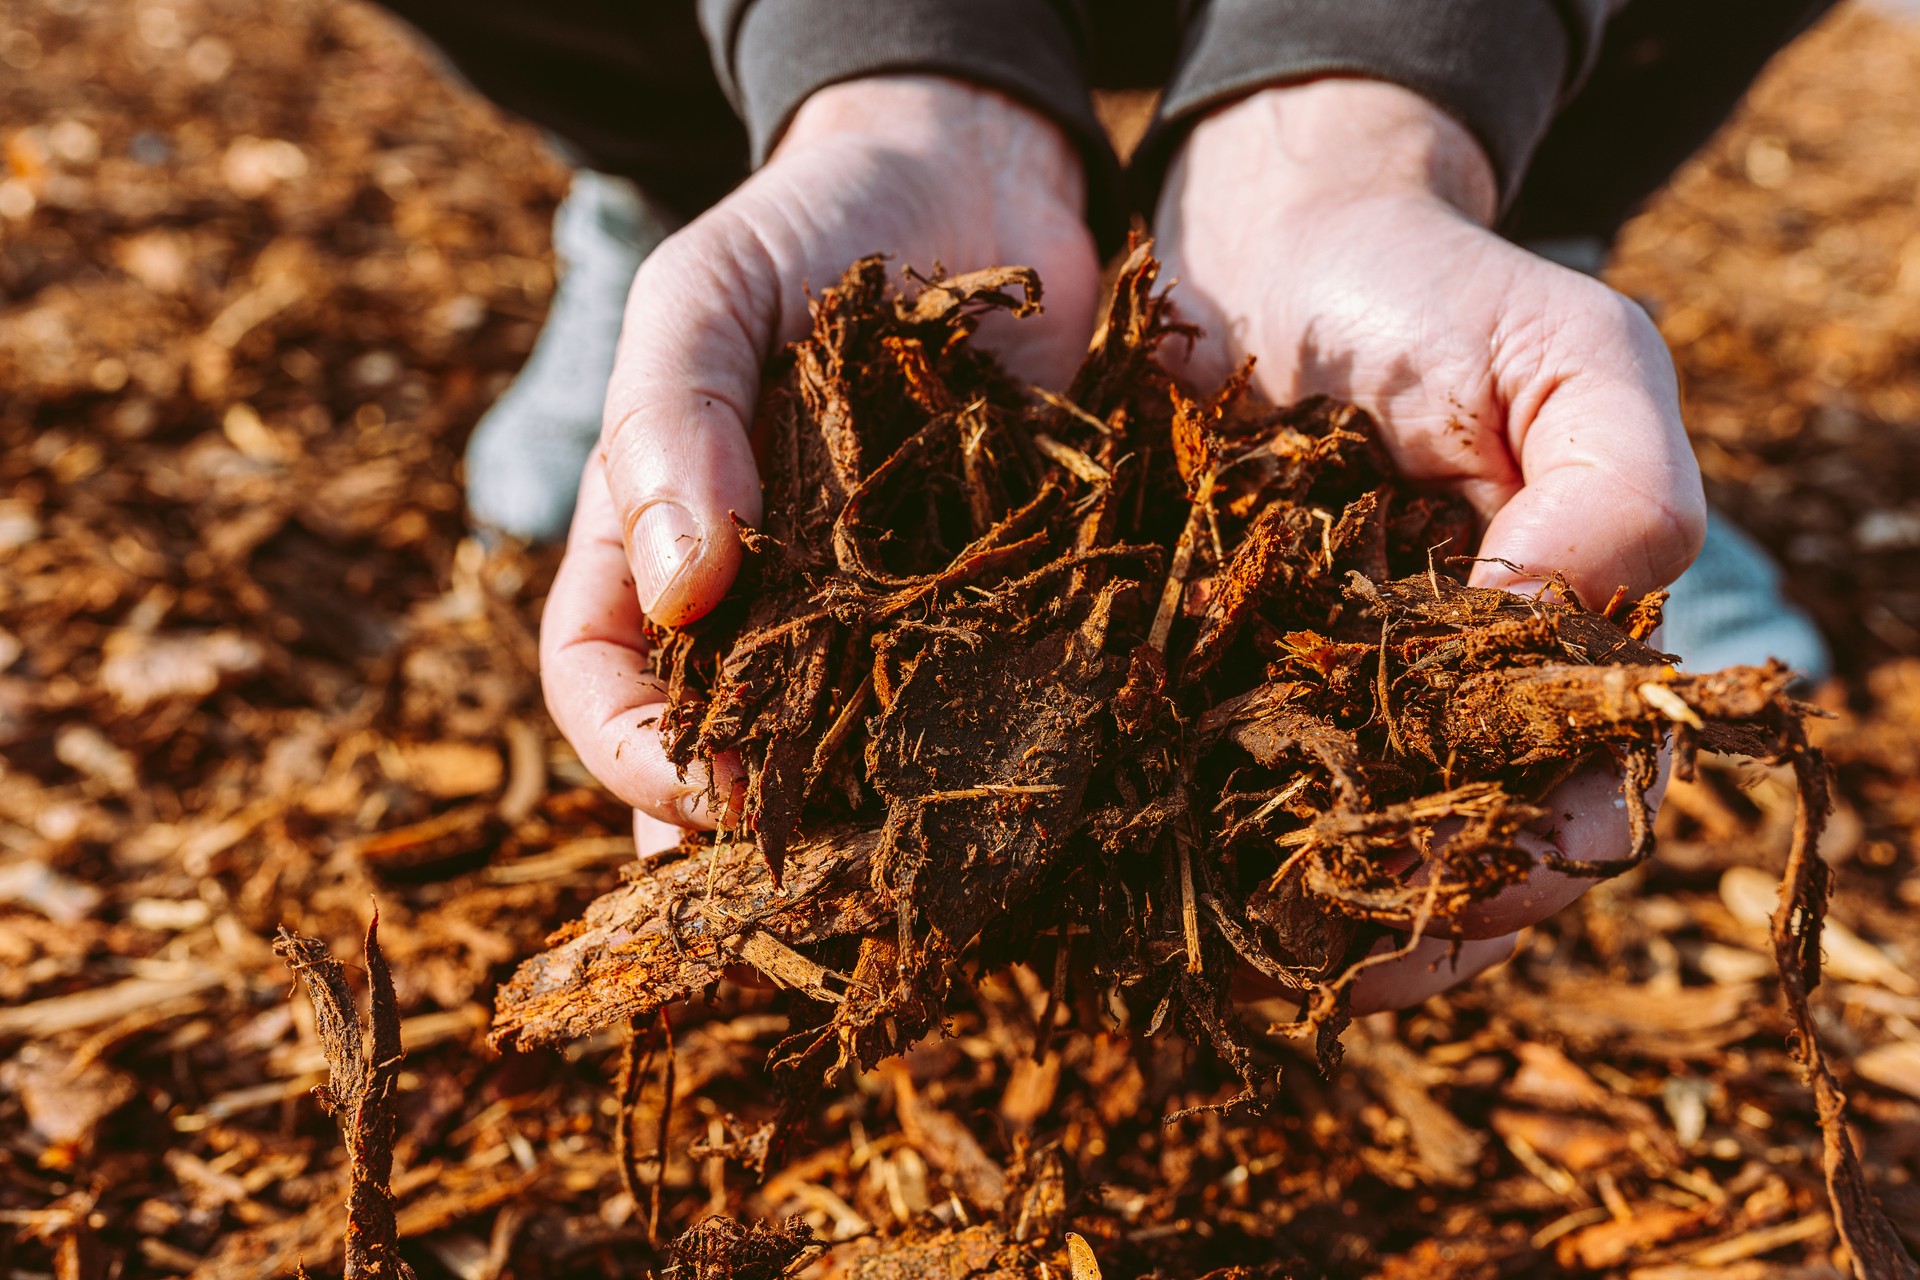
x=261, y=271
x=1782, y=267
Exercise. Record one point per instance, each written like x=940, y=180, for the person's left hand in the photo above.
x=931, y=170
x=1337, y=231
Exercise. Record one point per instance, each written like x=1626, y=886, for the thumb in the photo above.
x=1610, y=494
x=699, y=322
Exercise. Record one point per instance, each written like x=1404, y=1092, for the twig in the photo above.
x=994, y=789
x=1386, y=708
x=660, y=1136
x=1189, y=913
x=837, y=734
x=362, y=1072
x=1870, y=1239
x=633, y=1069
x=1056, y=994
x=1072, y=459
x=1068, y=407
x=1182, y=565
x=788, y=967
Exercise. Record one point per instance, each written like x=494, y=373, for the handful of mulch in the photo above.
x=1173, y=685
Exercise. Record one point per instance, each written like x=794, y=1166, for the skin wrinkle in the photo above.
x=767, y=306
x=987, y=146
x=1527, y=303
x=1534, y=398
x=597, y=655
x=1510, y=342
x=1419, y=445
x=696, y=297
x=785, y=260
x=1643, y=521
x=707, y=395
x=1548, y=327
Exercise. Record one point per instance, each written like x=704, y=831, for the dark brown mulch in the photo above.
x=261, y=270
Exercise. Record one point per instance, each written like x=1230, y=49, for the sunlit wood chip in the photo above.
x=1080, y=1253
x=1670, y=704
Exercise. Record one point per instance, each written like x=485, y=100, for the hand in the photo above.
x=1337, y=231
x=926, y=169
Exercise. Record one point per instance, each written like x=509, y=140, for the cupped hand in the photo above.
x=1338, y=231
x=925, y=169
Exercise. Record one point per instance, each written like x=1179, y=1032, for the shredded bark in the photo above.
x=254, y=669
x=1857, y=1216
x=363, y=1066
x=722, y=1249
x=1198, y=676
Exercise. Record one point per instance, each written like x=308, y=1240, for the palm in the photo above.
x=1494, y=374
x=779, y=238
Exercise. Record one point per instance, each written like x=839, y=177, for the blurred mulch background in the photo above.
x=260, y=270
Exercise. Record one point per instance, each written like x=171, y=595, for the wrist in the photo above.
x=1340, y=140
x=964, y=128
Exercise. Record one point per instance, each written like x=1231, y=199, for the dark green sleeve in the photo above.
x=772, y=54
x=1501, y=67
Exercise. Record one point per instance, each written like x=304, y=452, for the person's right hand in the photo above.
x=925, y=169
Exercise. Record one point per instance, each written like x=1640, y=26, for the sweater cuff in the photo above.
x=771, y=55
x=1501, y=67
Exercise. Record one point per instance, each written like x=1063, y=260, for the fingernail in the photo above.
x=662, y=542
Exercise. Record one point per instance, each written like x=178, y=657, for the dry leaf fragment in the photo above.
x=947, y=1144
x=1608, y=1244
x=722, y=1248
x=83, y=748
x=31, y=883
x=1894, y=1065
x=446, y=770
x=1080, y=1255
x=1752, y=896
x=81, y=1009
x=1440, y=1141
x=141, y=669
x=65, y=1098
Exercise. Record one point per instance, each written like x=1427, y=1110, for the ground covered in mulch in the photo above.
x=261, y=270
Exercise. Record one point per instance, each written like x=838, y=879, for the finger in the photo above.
x=599, y=682
x=1610, y=492
x=700, y=321
x=1586, y=822
x=652, y=837
x=1431, y=966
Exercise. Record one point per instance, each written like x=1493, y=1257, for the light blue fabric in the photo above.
x=525, y=456
x=1729, y=610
